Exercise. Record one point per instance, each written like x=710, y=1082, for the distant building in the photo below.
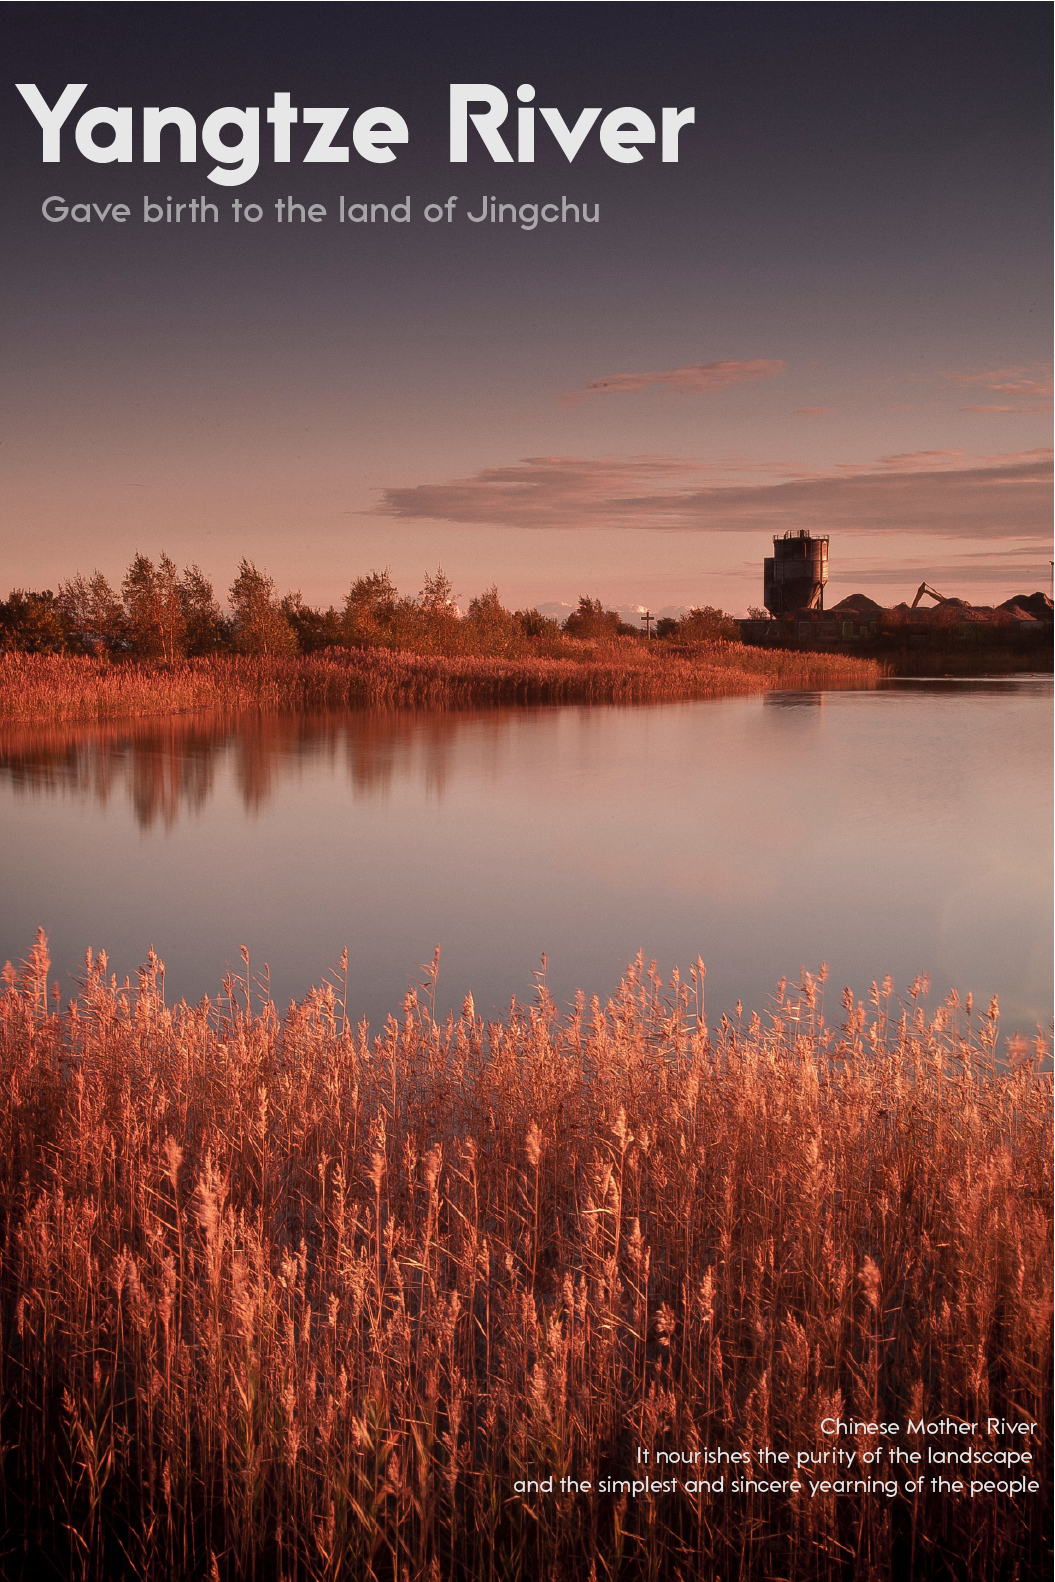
x=794, y=575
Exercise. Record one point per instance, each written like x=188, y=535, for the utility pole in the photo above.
x=648, y=618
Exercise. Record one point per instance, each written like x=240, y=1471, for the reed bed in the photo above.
x=282, y=1301
x=60, y=687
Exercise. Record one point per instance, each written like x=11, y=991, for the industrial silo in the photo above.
x=795, y=574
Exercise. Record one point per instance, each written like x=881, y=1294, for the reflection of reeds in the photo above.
x=34, y=686
x=281, y=1302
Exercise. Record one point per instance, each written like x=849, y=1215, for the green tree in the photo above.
x=488, y=627
x=370, y=609
x=154, y=609
x=489, y=620
x=93, y=615
x=434, y=623
x=258, y=625
x=706, y=623
x=534, y=624
x=31, y=623
x=204, y=625
x=487, y=609
x=437, y=594
x=313, y=629
x=592, y=620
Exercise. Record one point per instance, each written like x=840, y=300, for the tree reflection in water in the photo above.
x=168, y=767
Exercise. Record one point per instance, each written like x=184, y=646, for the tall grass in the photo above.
x=279, y=1301
x=36, y=686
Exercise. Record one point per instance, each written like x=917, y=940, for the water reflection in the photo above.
x=167, y=768
x=904, y=829
x=793, y=700
x=1032, y=685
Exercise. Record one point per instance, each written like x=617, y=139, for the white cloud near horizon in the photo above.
x=946, y=493
x=692, y=377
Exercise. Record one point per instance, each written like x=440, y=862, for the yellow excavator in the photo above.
x=931, y=592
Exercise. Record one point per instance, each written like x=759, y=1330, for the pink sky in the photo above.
x=824, y=316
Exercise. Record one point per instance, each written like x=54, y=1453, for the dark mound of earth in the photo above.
x=855, y=604
x=1036, y=604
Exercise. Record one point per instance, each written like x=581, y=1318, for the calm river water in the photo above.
x=898, y=831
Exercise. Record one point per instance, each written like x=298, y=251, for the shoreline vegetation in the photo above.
x=624, y=670
x=282, y=1300
x=162, y=645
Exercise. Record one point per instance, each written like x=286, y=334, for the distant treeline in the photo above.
x=162, y=613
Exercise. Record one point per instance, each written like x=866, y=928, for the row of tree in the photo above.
x=162, y=613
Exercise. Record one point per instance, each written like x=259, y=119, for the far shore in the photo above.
x=622, y=670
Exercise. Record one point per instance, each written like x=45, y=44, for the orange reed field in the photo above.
x=35, y=686
x=281, y=1300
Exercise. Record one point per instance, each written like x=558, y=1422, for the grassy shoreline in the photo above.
x=52, y=687
x=280, y=1300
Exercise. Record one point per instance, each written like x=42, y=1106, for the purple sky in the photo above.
x=831, y=313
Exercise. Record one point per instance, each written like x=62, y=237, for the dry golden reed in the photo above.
x=624, y=670
x=283, y=1301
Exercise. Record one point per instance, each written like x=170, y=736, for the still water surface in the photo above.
x=900, y=831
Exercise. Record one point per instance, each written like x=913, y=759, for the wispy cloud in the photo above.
x=1018, y=564
x=1027, y=389
x=1044, y=407
x=948, y=493
x=912, y=461
x=694, y=376
x=811, y=411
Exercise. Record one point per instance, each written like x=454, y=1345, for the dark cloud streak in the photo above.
x=1003, y=497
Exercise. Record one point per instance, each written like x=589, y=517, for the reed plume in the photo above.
x=282, y=1300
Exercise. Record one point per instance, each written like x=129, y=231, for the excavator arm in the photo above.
x=931, y=592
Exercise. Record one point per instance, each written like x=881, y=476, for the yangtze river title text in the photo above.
x=479, y=112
